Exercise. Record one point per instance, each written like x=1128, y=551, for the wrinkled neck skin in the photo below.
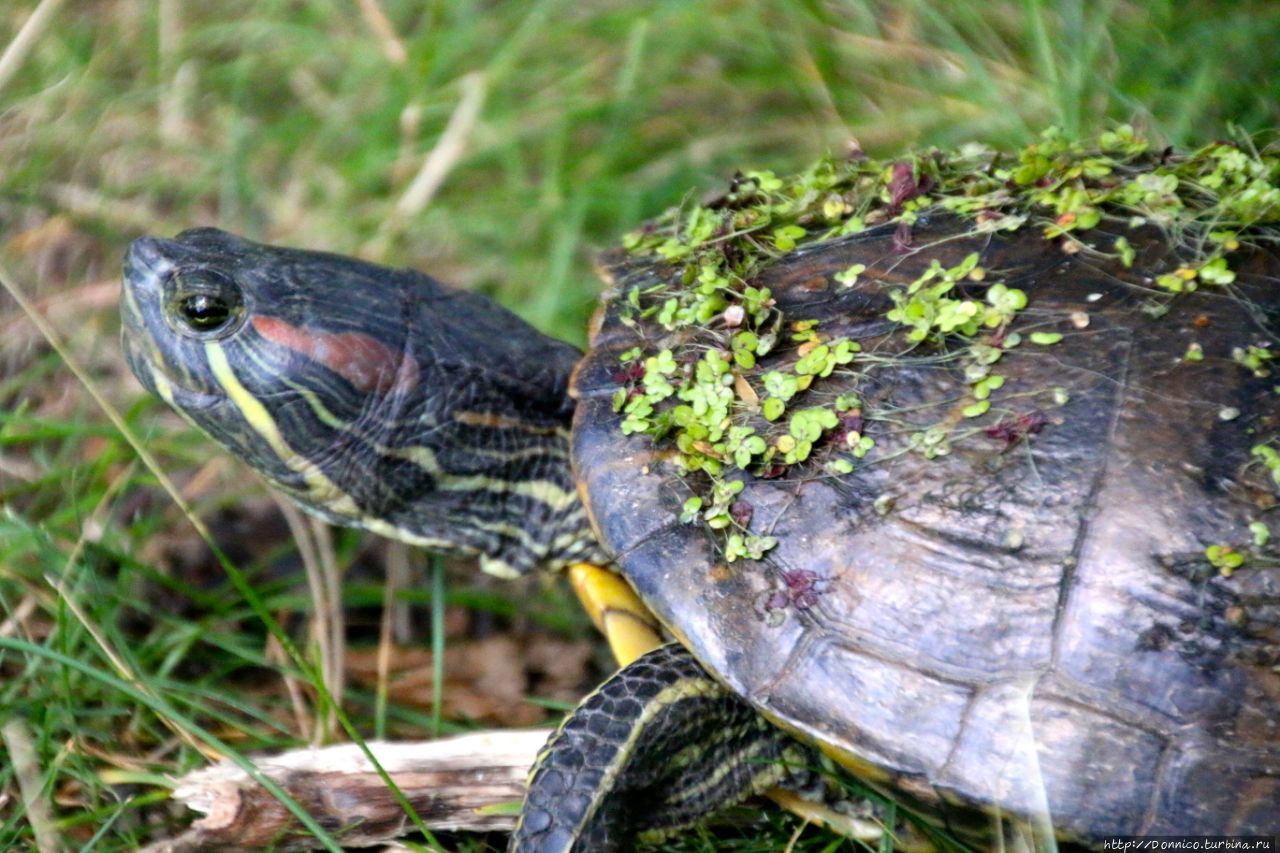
x=469, y=478
x=451, y=472
x=463, y=446
x=472, y=441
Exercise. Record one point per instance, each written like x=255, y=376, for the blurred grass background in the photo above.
x=497, y=145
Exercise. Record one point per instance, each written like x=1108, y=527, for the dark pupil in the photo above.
x=204, y=312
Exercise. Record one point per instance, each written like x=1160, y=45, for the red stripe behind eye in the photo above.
x=365, y=362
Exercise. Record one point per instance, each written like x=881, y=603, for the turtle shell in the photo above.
x=1029, y=622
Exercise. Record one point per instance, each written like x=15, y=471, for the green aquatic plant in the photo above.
x=728, y=415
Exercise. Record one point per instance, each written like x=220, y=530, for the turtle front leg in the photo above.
x=657, y=748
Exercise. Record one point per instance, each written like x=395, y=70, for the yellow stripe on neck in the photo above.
x=544, y=491
x=320, y=488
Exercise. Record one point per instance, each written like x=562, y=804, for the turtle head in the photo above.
x=374, y=397
x=244, y=340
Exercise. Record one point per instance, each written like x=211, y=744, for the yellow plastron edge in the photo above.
x=617, y=611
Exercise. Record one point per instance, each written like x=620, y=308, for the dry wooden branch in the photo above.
x=450, y=784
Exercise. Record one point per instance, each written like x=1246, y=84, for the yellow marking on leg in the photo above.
x=669, y=695
x=765, y=773
x=617, y=611
x=822, y=815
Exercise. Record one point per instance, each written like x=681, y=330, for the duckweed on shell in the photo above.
x=723, y=415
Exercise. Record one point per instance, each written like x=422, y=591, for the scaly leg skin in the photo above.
x=632, y=630
x=657, y=748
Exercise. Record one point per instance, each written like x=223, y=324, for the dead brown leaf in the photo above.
x=486, y=680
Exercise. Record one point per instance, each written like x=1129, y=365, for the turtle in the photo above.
x=951, y=471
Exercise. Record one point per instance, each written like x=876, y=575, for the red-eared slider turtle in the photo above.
x=959, y=468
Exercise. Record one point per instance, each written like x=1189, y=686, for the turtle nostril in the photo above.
x=145, y=252
x=147, y=261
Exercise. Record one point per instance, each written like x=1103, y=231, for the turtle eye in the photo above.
x=204, y=304
x=203, y=312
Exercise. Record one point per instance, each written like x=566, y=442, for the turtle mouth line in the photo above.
x=161, y=383
x=145, y=267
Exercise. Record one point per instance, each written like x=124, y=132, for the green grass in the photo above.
x=124, y=648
